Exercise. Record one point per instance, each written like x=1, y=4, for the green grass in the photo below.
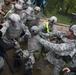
x=61, y=19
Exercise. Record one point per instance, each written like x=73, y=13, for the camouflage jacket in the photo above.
x=62, y=49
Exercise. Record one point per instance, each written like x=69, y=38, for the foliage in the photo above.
x=62, y=9
x=68, y=6
x=61, y=18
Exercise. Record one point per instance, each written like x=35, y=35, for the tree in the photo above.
x=68, y=6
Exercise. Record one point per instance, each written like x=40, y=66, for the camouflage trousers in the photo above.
x=58, y=63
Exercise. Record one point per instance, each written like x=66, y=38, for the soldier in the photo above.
x=34, y=18
x=33, y=52
x=12, y=30
x=47, y=27
x=29, y=9
x=57, y=36
x=42, y=5
x=62, y=35
x=3, y=48
x=14, y=21
x=18, y=10
x=37, y=15
x=60, y=54
x=34, y=46
x=6, y=9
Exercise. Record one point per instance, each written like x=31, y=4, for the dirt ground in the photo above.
x=36, y=71
x=46, y=71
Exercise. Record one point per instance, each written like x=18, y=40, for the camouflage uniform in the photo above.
x=42, y=28
x=33, y=20
x=56, y=53
x=5, y=8
x=63, y=37
x=12, y=32
x=34, y=46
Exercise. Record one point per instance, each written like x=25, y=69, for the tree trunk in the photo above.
x=66, y=11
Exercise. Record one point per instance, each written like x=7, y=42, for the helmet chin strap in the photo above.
x=52, y=21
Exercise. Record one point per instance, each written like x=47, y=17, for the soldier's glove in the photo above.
x=67, y=58
x=23, y=33
x=19, y=54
